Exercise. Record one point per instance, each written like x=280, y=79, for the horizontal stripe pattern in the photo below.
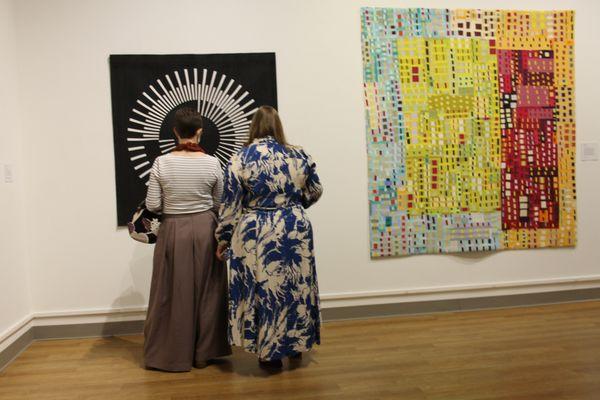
x=182, y=184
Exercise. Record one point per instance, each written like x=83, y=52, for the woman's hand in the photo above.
x=221, y=252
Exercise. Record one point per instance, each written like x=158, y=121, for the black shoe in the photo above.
x=270, y=364
x=295, y=356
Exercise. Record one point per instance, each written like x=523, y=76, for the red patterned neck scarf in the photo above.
x=189, y=146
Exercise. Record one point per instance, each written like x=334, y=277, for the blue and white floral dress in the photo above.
x=274, y=298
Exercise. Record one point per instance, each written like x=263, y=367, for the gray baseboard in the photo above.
x=455, y=305
x=15, y=349
x=329, y=314
x=99, y=329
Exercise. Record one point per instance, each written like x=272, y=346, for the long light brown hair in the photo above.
x=265, y=123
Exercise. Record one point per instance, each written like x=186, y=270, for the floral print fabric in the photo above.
x=274, y=301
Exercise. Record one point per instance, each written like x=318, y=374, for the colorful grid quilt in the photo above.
x=470, y=129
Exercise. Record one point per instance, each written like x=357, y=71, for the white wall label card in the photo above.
x=589, y=151
x=8, y=173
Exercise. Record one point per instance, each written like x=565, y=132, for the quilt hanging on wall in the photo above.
x=147, y=90
x=470, y=129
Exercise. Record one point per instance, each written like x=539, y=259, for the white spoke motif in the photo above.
x=217, y=97
x=138, y=157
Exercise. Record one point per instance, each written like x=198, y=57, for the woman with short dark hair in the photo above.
x=187, y=315
x=274, y=299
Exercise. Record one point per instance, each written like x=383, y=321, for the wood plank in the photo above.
x=545, y=352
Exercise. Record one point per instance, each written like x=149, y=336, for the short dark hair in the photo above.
x=187, y=122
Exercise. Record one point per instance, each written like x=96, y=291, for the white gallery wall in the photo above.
x=14, y=280
x=81, y=263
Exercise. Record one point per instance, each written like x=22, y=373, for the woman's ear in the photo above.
x=175, y=133
x=199, y=132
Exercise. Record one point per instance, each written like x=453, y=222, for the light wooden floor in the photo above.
x=547, y=352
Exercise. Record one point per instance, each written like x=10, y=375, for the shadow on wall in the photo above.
x=140, y=267
x=133, y=298
x=472, y=257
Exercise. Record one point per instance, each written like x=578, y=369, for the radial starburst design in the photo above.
x=220, y=100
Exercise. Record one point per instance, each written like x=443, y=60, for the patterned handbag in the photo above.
x=144, y=225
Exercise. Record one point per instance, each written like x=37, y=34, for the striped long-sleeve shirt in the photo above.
x=183, y=184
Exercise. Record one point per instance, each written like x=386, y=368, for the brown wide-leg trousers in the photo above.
x=187, y=313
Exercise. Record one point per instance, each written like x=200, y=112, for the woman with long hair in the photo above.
x=187, y=315
x=268, y=238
